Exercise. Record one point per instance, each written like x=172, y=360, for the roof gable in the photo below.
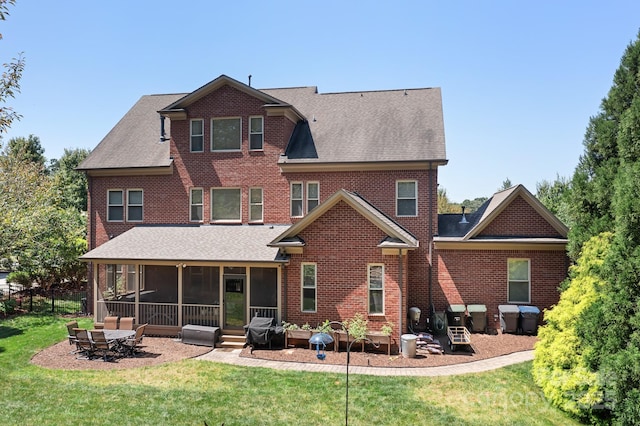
x=510, y=214
x=397, y=236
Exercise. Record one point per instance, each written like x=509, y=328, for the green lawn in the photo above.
x=191, y=392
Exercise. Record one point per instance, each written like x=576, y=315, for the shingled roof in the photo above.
x=334, y=128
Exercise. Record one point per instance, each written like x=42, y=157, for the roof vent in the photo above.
x=163, y=136
x=464, y=218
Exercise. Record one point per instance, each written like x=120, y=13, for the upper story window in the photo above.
x=297, y=198
x=197, y=135
x=115, y=205
x=376, y=289
x=134, y=205
x=406, y=198
x=256, y=133
x=313, y=195
x=225, y=205
x=196, y=204
x=309, y=287
x=226, y=134
x=519, y=281
x=255, y=205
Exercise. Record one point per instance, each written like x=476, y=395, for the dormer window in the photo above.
x=226, y=134
x=256, y=133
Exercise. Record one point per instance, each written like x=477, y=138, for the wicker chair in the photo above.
x=126, y=323
x=111, y=323
x=131, y=346
x=84, y=343
x=101, y=344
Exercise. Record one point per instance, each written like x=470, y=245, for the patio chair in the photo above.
x=83, y=342
x=130, y=346
x=101, y=344
x=126, y=323
x=71, y=335
x=111, y=323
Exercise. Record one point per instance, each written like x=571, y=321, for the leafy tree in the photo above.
x=70, y=183
x=445, y=205
x=26, y=149
x=567, y=379
x=10, y=80
x=473, y=205
x=506, y=184
x=555, y=196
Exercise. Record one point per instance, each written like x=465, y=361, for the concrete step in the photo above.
x=231, y=341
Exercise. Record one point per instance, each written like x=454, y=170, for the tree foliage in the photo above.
x=71, y=184
x=26, y=149
x=10, y=80
x=559, y=367
x=555, y=196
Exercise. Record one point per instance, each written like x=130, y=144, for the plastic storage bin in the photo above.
x=456, y=315
x=478, y=315
x=509, y=315
x=529, y=319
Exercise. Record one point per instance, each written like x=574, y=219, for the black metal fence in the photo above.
x=55, y=301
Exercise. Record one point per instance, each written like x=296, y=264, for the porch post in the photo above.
x=181, y=267
x=94, y=276
x=136, y=303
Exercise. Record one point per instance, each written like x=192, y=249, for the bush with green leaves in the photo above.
x=559, y=365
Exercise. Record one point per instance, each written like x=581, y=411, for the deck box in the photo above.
x=200, y=335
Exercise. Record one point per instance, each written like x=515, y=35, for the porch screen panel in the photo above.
x=161, y=284
x=201, y=285
x=264, y=287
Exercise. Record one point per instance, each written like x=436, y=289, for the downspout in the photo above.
x=400, y=287
x=430, y=240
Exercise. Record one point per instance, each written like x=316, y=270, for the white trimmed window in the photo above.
x=197, y=135
x=134, y=205
x=313, y=195
x=255, y=205
x=519, y=281
x=226, y=134
x=309, y=287
x=297, y=199
x=196, y=204
x=406, y=198
x=376, y=288
x=115, y=205
x=256, y=133
x=225, y=205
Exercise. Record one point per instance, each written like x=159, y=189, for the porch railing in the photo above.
x=206, y=315
x=264, y=311
x=159, y=313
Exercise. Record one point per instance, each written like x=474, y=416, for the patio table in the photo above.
x=118, y=337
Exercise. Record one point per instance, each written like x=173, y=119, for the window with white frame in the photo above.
x=121, y=280
x=197, y=135
x=519, y=281
x=115, y=205
x=297, y=198
x=196, y=204
x=376, y=288
x=225, y=205
x=256, y=133
x=406, y=198
x=313, y=195
x=309, y=287
x=255, y=205
x=226, y=134
x=134, y=205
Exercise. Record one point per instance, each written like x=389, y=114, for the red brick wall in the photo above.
x=519, y=219
x=480, y=277
x=342, y=243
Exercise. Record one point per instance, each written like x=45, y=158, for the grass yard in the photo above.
x=191, y=392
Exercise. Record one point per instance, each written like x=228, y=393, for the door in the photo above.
x=234, y=302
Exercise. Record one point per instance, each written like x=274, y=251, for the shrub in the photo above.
x=559, y=365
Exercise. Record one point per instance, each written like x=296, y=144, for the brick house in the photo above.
x=213, y=206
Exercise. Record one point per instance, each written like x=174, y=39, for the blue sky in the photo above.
x=519, y=79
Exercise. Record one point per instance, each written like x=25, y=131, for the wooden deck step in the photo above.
x=233, y=341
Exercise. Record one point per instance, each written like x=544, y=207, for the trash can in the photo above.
x=529, y=319
x=456, y=315
x=509, y=315
x=478, y=316
x=408, y=345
